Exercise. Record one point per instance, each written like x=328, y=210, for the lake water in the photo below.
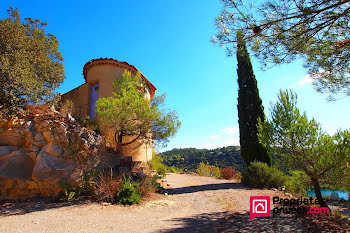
x=328, y=192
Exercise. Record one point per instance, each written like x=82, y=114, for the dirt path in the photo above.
x=196, y=204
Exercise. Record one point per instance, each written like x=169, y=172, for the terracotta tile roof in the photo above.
x=122, y=64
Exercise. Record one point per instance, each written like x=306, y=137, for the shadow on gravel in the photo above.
x=18, y=207
x=206, y=187
x=236, y=222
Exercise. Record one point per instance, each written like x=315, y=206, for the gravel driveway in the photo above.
x=196, y=204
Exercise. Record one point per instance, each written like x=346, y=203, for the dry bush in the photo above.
x=81, y=154
x=148, y=185
x=67, y=107
x=75, y=149
x=107, y=186
x=229, y=173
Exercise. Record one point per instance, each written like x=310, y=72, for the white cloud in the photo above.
x=215, y=137
x=224, y=143
x=231, y=142
x=228, y=136
x=230, y=130
x=306, y=80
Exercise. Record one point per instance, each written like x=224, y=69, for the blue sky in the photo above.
x=169, y=42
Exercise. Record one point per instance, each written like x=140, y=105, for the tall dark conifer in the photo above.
x=249, y=108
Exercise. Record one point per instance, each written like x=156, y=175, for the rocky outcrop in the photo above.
x=39, y=149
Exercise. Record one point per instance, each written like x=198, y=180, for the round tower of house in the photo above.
x=105, y=70
x=99, y=75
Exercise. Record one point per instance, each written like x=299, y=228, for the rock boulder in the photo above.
x=40, y=149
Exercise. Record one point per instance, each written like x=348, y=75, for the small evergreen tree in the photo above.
x=134, y=118
x=303, y=145
x=250, y=108
x=31, y=67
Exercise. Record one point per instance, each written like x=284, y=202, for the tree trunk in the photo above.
x=119, y=142
x=317, y=189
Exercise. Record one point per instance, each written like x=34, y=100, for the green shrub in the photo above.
x=162, y=170
x=109, y=188
x=157, y=165
x=71, y=192
x=173, y=169
x=208, y=170
x=87, y=187
x=260, y=175
x=298, y=183
x=128, y=193
x=91, y=124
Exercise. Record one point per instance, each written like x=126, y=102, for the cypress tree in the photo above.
x=249, y=108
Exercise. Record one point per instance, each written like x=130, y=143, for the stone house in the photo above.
x=99, y=75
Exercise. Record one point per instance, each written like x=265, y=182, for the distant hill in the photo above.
x=190, y=157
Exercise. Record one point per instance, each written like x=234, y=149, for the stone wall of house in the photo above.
x=37, y=151
x=80, y=97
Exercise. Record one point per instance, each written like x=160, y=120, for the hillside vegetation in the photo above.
x=190, y=158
